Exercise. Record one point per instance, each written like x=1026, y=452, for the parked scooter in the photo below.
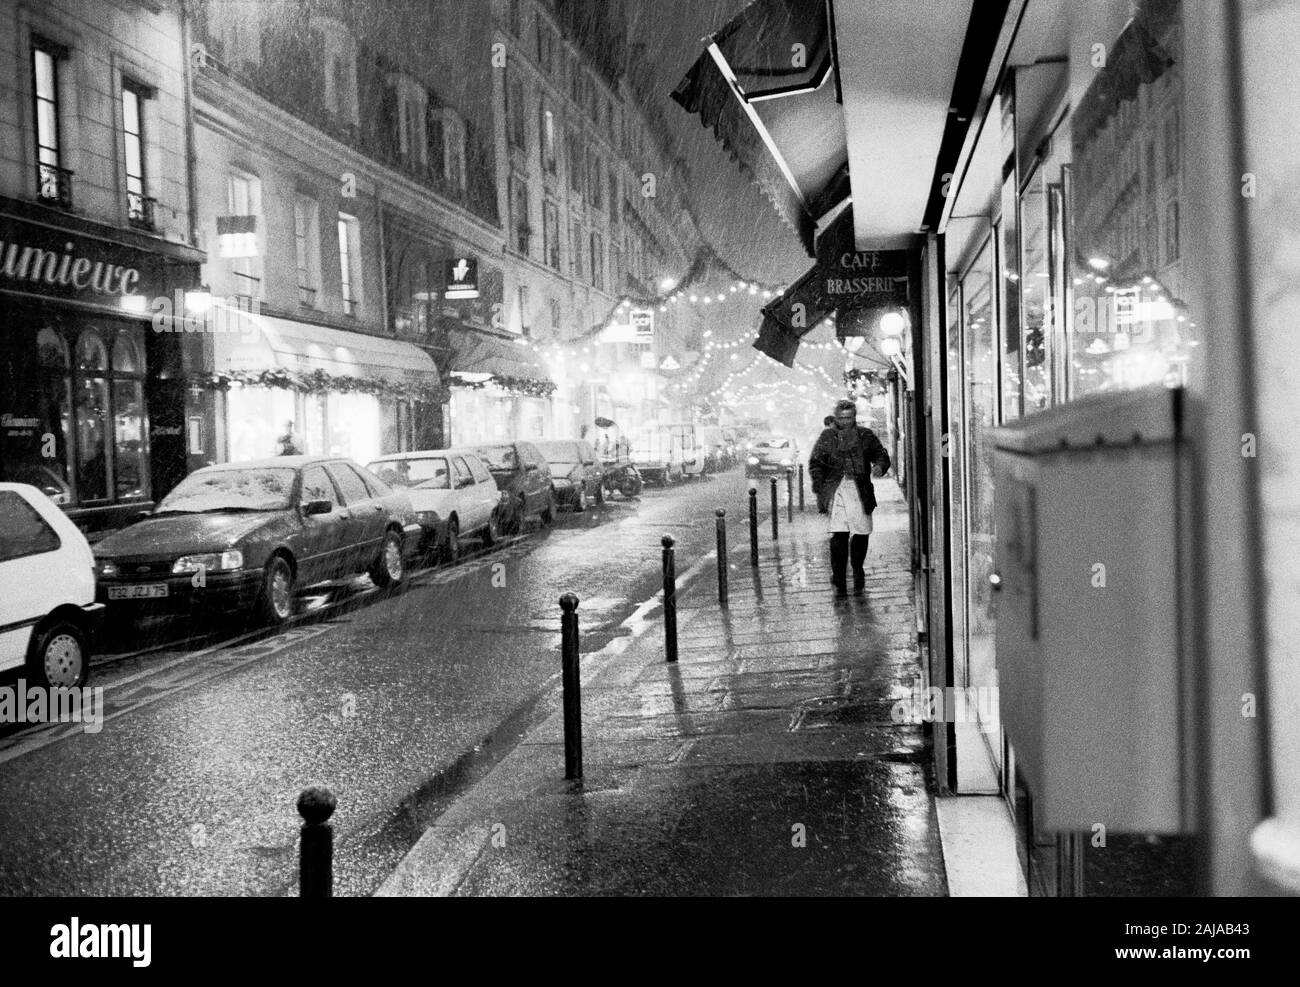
x=614, y=450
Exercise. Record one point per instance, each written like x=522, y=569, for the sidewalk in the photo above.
x=764, y=762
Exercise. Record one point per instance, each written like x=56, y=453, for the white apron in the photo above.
x=846, y=510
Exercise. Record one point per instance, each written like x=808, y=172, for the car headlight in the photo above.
x=108, y=569
x=786, y=462
x=212, y=562
x=753, y=460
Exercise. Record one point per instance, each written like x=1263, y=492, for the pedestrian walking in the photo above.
x=287, y=444
x=847, y=451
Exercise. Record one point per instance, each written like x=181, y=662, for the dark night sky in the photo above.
x=734, y=215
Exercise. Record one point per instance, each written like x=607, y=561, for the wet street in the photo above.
x=394, y=702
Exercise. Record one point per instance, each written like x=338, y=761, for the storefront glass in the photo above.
x=981, y=417
x=1036, y=308
x=257, y=417
x=1131, y=320
x=956, y=479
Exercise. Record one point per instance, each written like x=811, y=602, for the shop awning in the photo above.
x=253, y=343
x=765, y=87
x=505, y=360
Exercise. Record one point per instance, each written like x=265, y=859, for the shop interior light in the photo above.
x=198, y=301
x=1099, y=263
x=135, y=303
x=667, y=284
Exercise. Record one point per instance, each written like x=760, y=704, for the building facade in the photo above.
x=96, y=234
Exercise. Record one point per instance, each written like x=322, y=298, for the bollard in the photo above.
x=316, y=846
x=670, y=599
x=801, y=487
x=753, y=526
x=776, y=512
x=722, y=557
x=572, y=687
x=789, y=494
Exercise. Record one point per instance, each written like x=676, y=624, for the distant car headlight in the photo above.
x=753, y=460
x=786, y=462
x=108, y=570
x=213, y=562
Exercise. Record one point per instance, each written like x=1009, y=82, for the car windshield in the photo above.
x=774, y=444
x=427, y=473
x=499, y=459
x=231, y=490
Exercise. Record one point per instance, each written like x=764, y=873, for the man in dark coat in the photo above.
x=852, y=452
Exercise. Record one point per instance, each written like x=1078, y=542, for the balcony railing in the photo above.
x=140, y=211
x=247, y=286
x=54, y=185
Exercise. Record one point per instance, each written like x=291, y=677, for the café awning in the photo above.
x=764, y=85
x=245, y=343
x=482, y=356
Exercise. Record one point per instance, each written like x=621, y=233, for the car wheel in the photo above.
x=60, y=656
x=516, y=524
x=580, y=502
x=451, y=547
x=389, y=568
x=275, y=604
x=492, y=533
x=548, y=512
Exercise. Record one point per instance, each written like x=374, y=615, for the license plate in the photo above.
x=147, y=591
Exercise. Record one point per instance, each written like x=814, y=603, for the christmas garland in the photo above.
x=319, y=381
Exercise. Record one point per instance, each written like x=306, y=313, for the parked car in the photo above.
x=773, y=454
x=693, y=451
x=657, y=454
x=452, y=493
x=576, y=473
x=522, y=474
x=48, y=615
x=246, y=535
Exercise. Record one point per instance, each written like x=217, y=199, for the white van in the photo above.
x=48, y=615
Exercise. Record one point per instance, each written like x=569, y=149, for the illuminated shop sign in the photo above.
x=462, y=278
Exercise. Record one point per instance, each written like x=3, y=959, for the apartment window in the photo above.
x=1173, y=141
x=613, y=195
x=544, y=46
x=519, y=213
x=594, y=171
x=139, y=206
x=53, y=181
x=555, y=315
x=306, y=234
x=522, y=295
x=515, y=22
x=1171, y=232
x=349, y=255
x=515, y=128
x=546, y=129
x=551, y=234
x=575, y=82
x=615, y=263
x=434, y=140
x=573, y=153
x=243, y=248
x=454, y=141
x=597, y=261
x=575, y=247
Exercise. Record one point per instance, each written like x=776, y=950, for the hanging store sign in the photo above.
x=643, y=320
x=866, y=279
x=461, y=278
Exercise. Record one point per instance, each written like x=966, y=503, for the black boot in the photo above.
x=840, y=562
x=858, y=555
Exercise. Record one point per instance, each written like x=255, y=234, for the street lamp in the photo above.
x=889, y=346
x=892, y=324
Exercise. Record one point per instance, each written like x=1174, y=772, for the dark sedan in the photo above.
x=244, y=536
x=576, y=473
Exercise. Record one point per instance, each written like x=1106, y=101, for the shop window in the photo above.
x=130, y=473
x=139, y=205
x=53, y=180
